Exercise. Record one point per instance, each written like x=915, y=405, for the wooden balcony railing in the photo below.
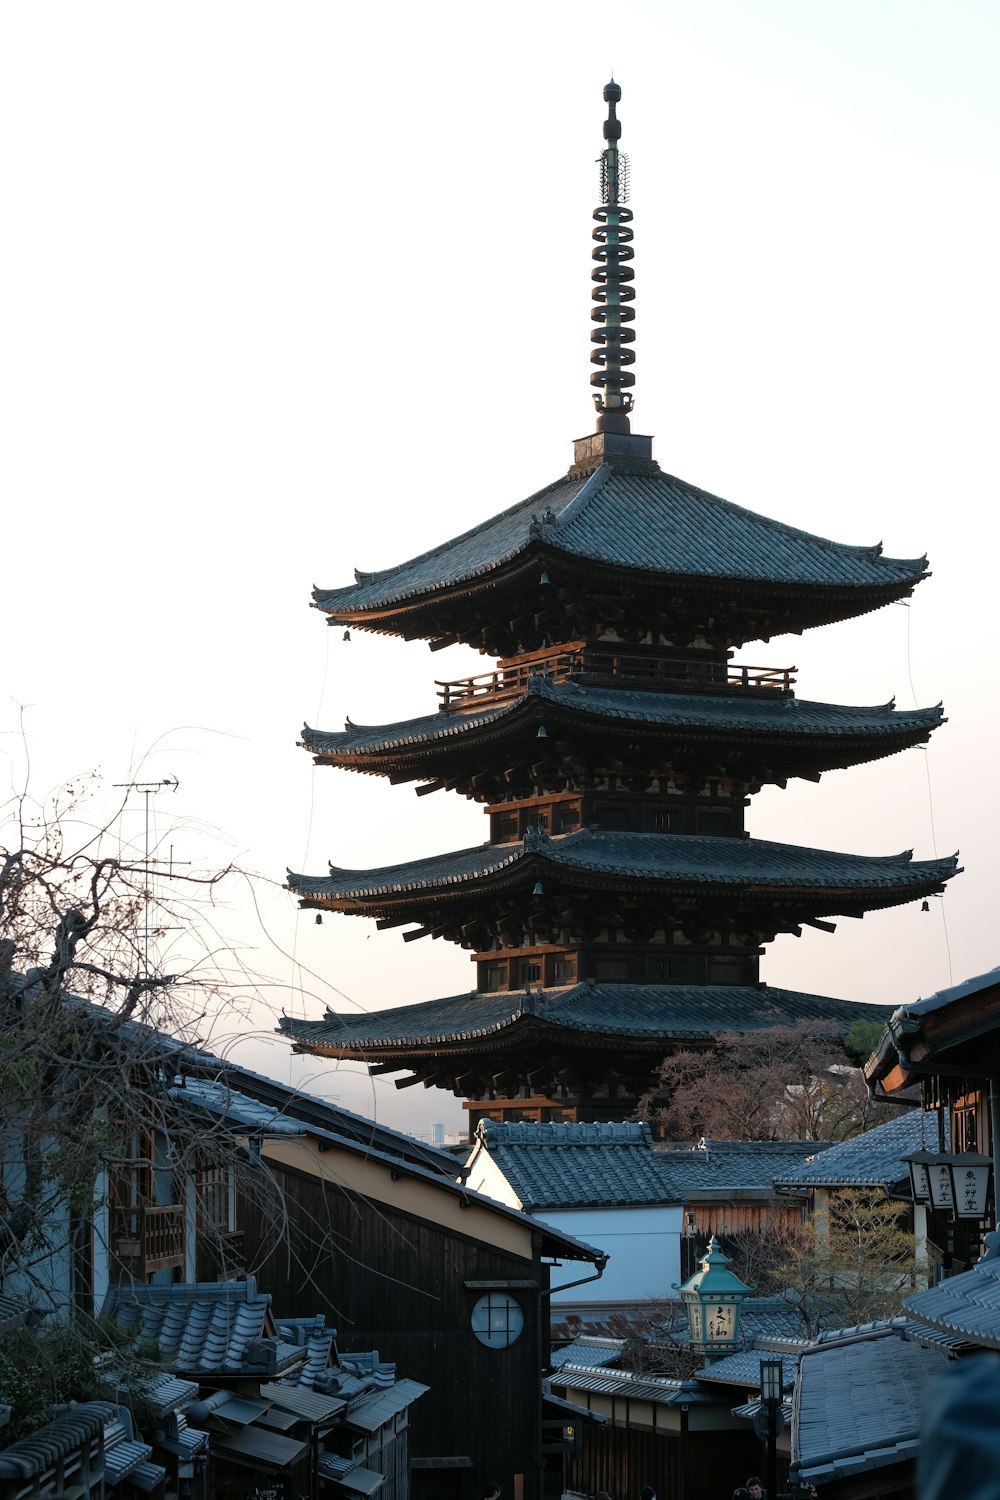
x=604, y=667
x=150, y=1237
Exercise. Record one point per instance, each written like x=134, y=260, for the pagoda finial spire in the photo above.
x=612, y=275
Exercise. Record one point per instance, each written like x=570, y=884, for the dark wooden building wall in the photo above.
x=391, y=1282
x=621, y=1459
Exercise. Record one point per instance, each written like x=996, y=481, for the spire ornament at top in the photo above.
x=612, y=275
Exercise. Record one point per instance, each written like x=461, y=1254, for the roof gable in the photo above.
x=578, y=1166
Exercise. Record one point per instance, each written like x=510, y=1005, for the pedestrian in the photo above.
x=741, y=1493
x=755, y=1489
x=491, y=1491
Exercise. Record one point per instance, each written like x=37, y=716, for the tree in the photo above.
x=93, y=1029
x=779, y=1083
x=862, y=1039
x=851, y=1262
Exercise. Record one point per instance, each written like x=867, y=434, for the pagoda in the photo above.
x=619, y=908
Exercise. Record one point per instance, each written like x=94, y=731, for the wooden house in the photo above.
x=376, y=1233
x=603, y=1183
x=947, y=1047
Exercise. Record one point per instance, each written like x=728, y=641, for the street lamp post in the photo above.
x=771, y=1391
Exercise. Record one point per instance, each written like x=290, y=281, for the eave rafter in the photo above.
x=507, y=608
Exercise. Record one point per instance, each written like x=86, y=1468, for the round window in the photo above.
x=497, y=1320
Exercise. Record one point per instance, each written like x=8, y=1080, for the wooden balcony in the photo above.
x=150, y=1237
x=609, y=668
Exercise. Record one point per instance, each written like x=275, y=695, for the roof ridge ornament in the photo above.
x=611, y=275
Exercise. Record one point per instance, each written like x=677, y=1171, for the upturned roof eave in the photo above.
x=380, y=614
x=558, y=1013
x=492, y=867
x=509, y=718
x=572, y=517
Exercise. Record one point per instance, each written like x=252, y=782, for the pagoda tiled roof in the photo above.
x=652, y=523
x=670, y=859
x=644, y=1014
x=740, y=714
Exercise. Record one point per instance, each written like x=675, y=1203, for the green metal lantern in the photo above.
x=713, y=1298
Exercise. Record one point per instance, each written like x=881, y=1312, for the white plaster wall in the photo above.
x=643, y=1245
x=485, y=1177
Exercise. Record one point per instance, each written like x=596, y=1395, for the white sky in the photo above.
x=292, y=288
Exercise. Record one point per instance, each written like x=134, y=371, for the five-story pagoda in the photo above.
x=619, y=908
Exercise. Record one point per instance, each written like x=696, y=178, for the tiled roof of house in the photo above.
x=669, y=859
x=966, y=1306
x=744, y=715
x=858, y=1405
x=576, y=1166
x=744, y=1166
x=588, y=1352
x=875, y=1157
x=13, y=1314
x=942, y=998
x=205, y=1328
x=46, y=1446
x=743, y=1368
x=217, y=1098
x=653, y=523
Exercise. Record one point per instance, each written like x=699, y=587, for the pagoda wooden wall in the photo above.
x=395, y=1283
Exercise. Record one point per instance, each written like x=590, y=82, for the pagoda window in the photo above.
x=670, y=970
x=525, y=971
x=493, y=977
x=563, y=971
x=615, y=817
x=567, y=817
x=718, y=821
x=725, y=971
x=504, y=828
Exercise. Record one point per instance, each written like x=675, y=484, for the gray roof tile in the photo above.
x=965, y=1306
x=202, y=1328
x=858, y=1405
x=218, y=1098
x=789, y=719
x=743, y=1368
x=672, y=859
x=872, y=1158
x=653, y=523
x=737, y=1165
x=644, y=1012
x=576, y=1166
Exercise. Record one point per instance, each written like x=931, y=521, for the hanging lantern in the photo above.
x=939, y=1182
x=713, y=1298
x=920, y=1184
x=970, y=1183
